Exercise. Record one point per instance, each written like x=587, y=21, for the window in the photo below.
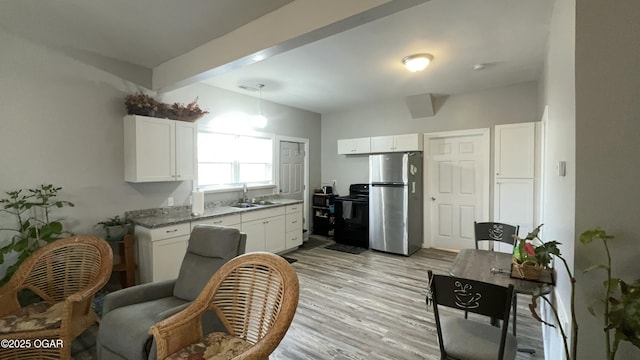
x=226, y=160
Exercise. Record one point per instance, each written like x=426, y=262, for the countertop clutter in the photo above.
x=154, y=218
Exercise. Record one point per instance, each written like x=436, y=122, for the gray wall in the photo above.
x=607, y=68
x=593, y=125
x=61, y=123
x=484, y=109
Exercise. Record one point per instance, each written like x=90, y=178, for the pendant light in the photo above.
x=260, y=121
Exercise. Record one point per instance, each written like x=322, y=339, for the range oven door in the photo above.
x=352, y=227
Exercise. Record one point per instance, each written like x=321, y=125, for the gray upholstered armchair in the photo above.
x=129, y=313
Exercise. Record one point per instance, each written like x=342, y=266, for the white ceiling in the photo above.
x=354, y=67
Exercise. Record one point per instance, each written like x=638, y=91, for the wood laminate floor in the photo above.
x=372, y=306
x=367, y=306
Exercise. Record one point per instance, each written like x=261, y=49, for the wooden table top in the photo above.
x=492, y=267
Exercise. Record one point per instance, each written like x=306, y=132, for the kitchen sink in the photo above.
x=244, y=205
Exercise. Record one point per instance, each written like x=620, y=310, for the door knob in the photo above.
x=433, y=199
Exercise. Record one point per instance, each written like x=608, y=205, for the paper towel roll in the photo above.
x=197, y=203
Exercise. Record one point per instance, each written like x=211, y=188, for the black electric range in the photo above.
x=352, y=217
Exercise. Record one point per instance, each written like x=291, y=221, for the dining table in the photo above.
x=495, y=267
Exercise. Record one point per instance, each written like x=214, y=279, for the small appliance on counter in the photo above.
x=395, y=202
x=352, y=217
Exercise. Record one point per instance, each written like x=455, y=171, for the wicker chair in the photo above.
x=66, y=274
x=255, y=295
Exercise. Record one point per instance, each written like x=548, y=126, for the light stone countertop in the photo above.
x=183, y=215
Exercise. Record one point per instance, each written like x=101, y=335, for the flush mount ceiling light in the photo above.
x=417, y=62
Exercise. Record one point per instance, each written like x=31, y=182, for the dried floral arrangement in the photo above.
x=142, y=104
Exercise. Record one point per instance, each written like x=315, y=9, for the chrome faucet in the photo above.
x=245, y=191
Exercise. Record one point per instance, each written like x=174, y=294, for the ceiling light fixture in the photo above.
x=417, y=62
x=260, y=121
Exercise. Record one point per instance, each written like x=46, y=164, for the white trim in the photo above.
x=544, y=124
x=305, y=141
x=486, y=148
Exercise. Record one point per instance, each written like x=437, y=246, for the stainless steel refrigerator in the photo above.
x=395, y=202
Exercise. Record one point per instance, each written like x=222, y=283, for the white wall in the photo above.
x=61, y=123
x=559, y=199
x=484, y=109
x=607, y=67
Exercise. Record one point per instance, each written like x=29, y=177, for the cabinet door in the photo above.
x=515, y=151
x=149, y=149
x=275, y=234
x=408, y=142
x=345, y=146
x=382, y=144
x=354, y=146
x=255, y=231
x=514, y=205
x=167, y=257
x=362, y=145
x=186, y=135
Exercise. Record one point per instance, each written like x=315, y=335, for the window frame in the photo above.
x=236, y=186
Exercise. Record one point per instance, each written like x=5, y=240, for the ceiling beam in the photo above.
x=293, y=25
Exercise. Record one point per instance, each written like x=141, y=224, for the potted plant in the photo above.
x=34, y=225
x=115, y=227
x=532, y=256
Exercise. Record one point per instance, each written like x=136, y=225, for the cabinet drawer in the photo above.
x=227, y=220
x=294, y=238
x=261, y=214
x=167, y=232
x=293, y=208
x=294, y=222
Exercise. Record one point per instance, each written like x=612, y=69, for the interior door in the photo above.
x=292, y=170
x=458, y=189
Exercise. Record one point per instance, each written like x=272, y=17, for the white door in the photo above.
x=292, y=170
x=458, y=186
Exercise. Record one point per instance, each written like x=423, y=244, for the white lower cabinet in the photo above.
x=161, y=250
x=265, y=229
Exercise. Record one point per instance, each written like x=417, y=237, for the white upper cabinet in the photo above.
x=515, y=151
x=354, y=146
x=396, y=143
x=158, y=149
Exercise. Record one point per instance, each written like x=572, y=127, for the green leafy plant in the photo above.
x=115, y=227
x=621, y=302
x=33, y=225
x=542, y=255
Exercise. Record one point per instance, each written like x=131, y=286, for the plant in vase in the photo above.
x=532, y=256
x=115, y=227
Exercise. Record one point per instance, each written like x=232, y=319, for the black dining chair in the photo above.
x=504, y=233
x=462, y=338
x=494, y=231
